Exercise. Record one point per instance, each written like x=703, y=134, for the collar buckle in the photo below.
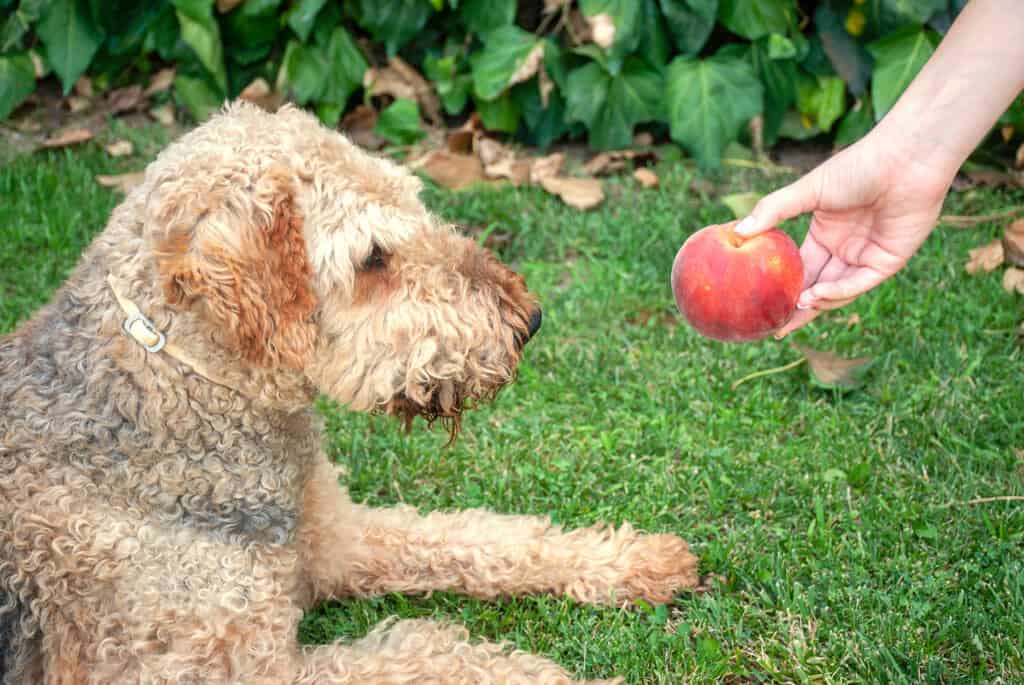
x=150, y=328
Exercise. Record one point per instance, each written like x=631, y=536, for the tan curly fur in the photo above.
x=159, y=527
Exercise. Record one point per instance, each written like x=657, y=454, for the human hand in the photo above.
x=873, y=208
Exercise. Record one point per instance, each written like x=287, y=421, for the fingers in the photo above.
x=801, y=317
x=832, y=294
x=814, y=256
x=797, y=198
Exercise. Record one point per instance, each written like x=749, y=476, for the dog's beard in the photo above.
x=445, y=405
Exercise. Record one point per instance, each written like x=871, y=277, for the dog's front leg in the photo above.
x=354, y=550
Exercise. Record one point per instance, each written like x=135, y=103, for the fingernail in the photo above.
x=779, y=336
x=747, y=226
x=805, y=301
x=802, y=305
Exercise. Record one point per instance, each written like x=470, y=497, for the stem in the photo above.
x=768, y=372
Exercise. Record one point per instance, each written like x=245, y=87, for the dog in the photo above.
x=166, y=509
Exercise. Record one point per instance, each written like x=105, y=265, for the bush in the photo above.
x=698, y=70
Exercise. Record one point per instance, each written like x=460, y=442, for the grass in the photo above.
x=837, y=522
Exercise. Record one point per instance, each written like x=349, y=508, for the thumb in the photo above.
x=785, y=203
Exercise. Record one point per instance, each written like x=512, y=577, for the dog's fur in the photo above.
x=157, y=526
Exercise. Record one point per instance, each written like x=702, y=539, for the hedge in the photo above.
x=696, y=70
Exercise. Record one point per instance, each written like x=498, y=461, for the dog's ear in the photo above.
x=231, y=247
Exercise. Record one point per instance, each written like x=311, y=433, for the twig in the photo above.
x=767, y=372
x=967, y=220
x=985, y=500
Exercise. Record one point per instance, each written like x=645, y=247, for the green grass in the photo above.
x=836, y=521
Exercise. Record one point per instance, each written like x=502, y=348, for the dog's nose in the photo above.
x=535, y=320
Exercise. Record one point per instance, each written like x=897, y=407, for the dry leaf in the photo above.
x=1013, y=280
x=605, y=163
x=38, y=65
x=552, y=6
x=853, y=320
x=163, y=114
x=515, y=170
x=78, y=103
x=28, y=125
x=546, y=167
x=460, y=142
x=120, y=148
x=643, y=139
x=832, y=371
x=602, y=29
x=985, y=258
x=544, y=86
x=122, y=182
x=1007, y=132
x=529, y=66
x=1019, y=158
x=451, y=170
x=646, y=177
x=125, y=99
x=71, y=136
x=261, y=94
x=83, y=87
x=399, y=80
x=1013, y=243
x=359, y=126
x=581, y=193
x=225, y=6
x=160, y=82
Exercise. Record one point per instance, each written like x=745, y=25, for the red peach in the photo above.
x=737, y=289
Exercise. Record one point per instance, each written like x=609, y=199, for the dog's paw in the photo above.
x=656, y=568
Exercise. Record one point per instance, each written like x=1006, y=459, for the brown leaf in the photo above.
x=1013, y=280
x=643, y=139
x=832, y=371
x=83, y=87
x=125, y=99
x=460, y=142
x=358, y=125
x=581, y=193
x=602, y=29
x=163, y=114
x=529, y=66
x=985, y=258
x=120, y=148
x=38, y=65
x=544, y=86
x=646, y=177
x=605, y=163
x=122, y=182
x=399, y=80
x=1019, y=157
x=552, y=6
x=161, y=81
x=71, y=136
x=78, y=103
x=451, y=170
x=1013, y=243
x=546, y=167
x=261, y=94
x=225, y=6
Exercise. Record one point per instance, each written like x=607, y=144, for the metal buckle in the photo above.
x=141, y=318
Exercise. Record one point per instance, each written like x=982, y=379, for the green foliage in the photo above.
x=593, y=69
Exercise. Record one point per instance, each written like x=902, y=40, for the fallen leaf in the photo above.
x=78, y=103
x=359, y=125
x=581, y=193
x=646, y=177
x=125, y=99
x=546, y=167
x=853, y=320
x=261, y=94
x=29, y=125
x=1019, y=157
x=602, y=29
x=401, y=81
x=985, y=258
x=71, y=136
x=1007, y=132
x=451, y=170
x=120, y=148
x=163, y=114
x=544, y=86
x=605, y=163
x=225, y=6
x=552, y=6
x=1013, y=280
x=1013, y=243
x=161, y=81
x=460, y=142
x=38, y=65
x=643, y=139
x=529, y=67
x=83, y=87
x=122, y=182
x=741, y=204
x=832, y=371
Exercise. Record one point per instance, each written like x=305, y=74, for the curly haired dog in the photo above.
x=166, y=510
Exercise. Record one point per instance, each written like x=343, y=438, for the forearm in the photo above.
x=972, y=78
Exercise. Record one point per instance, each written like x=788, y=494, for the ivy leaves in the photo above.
x=610, y=105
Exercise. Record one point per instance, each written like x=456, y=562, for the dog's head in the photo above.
x=306, y=256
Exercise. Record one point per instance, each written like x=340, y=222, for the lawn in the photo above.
x=837, y=524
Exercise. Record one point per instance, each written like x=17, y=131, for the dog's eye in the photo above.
x=376, y=260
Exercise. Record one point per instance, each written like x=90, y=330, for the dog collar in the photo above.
x=142, y=330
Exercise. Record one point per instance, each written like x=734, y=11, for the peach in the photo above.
x=737, y=289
